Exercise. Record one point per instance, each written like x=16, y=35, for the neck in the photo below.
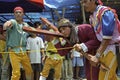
x=19, y=21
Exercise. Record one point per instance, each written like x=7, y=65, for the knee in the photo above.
x=16, y=73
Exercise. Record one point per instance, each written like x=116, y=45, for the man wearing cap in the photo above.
x=16, y=44
x=107, y=33
x=83, y=38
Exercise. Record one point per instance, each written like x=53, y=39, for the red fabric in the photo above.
x=18, y=8
x=87, y=35
x=38, y=2
x=92, y=72
x=65, y=51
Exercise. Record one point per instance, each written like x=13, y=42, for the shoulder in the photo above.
x=13, y=21
x=85, y=29
x=84, y=26
x=25, y=24
x=104, y=10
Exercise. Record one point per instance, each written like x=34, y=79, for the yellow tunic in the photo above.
x=2, y=46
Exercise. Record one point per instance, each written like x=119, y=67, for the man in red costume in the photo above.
x=83, y=38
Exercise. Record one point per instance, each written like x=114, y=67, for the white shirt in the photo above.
x=34, y=45
x=76, y=53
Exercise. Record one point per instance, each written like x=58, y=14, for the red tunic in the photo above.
x=87, y=36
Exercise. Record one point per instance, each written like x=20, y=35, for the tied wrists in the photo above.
x=98, y=55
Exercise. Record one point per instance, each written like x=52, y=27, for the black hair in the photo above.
x=36, y=24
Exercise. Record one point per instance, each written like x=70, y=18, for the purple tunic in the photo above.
x=87, y=36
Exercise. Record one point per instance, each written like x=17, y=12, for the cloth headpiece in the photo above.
x=18, y=8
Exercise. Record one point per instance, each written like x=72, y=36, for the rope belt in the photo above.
x=36, y=50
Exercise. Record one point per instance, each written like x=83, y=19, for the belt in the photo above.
x=51, y=52
x=21, y=50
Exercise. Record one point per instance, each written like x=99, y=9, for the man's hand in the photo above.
x=93, y=60
x=77, y=47
x=43, y=58
x=7, y=24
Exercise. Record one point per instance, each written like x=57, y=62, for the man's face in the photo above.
x=65, y=31
x=89, y=5
x=18, y=14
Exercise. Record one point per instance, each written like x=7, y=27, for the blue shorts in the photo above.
x=77, y=61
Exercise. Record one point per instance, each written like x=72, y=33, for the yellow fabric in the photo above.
x=2, y=48
x=52, y=48
x=2, y=45
x=107, y=60
x=50, y=63
x=16, y=59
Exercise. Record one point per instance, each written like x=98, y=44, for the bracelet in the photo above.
x=97, y=55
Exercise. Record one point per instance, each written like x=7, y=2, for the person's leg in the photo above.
x=15, y=63
x=23, y=77
x=37, y=71
x=74, y=67
x=51, y=74
x=66, y=68
x=77, y=72
x=63, y=71
x=25, y=61
x=110, y=61
x=5, y=74
x=46, y=69
x=79, y=67
x=33, y=68
x=57, y=67
x=70, y=71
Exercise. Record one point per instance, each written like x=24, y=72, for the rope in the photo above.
x=44, y=50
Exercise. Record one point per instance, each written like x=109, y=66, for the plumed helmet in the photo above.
x=64, y=23
x=18, y=8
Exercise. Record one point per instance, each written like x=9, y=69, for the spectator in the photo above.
x=36, y=47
